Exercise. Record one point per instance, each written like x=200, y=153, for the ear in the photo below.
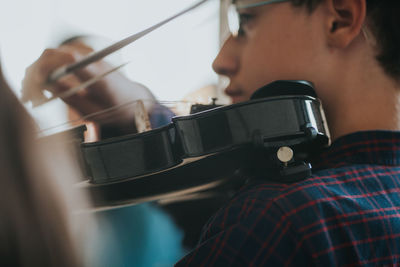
x=345, y=21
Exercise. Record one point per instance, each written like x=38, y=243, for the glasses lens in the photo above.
x=233, y=20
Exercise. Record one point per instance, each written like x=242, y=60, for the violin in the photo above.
x=271, y=136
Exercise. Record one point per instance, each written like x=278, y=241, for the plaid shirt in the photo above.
x=346, y=214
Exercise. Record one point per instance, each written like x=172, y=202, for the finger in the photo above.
x=78, y=46
x=99, y=90
x=52, y=59
x=37, y=73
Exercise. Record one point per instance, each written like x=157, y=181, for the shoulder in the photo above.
x=283, y=223
x=265, y=201
x=250, y=230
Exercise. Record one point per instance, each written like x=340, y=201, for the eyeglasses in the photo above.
x=235, y=21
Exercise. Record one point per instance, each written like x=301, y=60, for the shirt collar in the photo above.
x=367, y=147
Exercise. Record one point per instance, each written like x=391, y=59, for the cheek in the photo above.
x=265, y=60
x=281, y=53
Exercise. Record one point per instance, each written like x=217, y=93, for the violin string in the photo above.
x=97, y=78
x=109, y=110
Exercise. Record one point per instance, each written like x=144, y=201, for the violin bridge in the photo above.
x=142, y=120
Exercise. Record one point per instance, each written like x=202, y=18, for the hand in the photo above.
x=113, y=90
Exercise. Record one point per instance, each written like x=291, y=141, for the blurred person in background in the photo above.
x=35, y=219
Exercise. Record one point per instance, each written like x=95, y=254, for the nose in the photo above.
x=227, y=61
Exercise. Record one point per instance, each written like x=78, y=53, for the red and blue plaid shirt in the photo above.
x=346, y=214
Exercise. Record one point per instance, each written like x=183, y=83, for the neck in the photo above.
x=362, y=97
x=367, y=111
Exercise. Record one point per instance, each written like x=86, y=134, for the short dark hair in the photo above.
x=383, y=19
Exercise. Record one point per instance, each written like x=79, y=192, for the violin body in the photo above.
x=203, y=151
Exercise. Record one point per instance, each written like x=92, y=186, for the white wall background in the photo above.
x=173, y=61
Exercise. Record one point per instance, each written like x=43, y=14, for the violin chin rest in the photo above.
x=285, y=87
